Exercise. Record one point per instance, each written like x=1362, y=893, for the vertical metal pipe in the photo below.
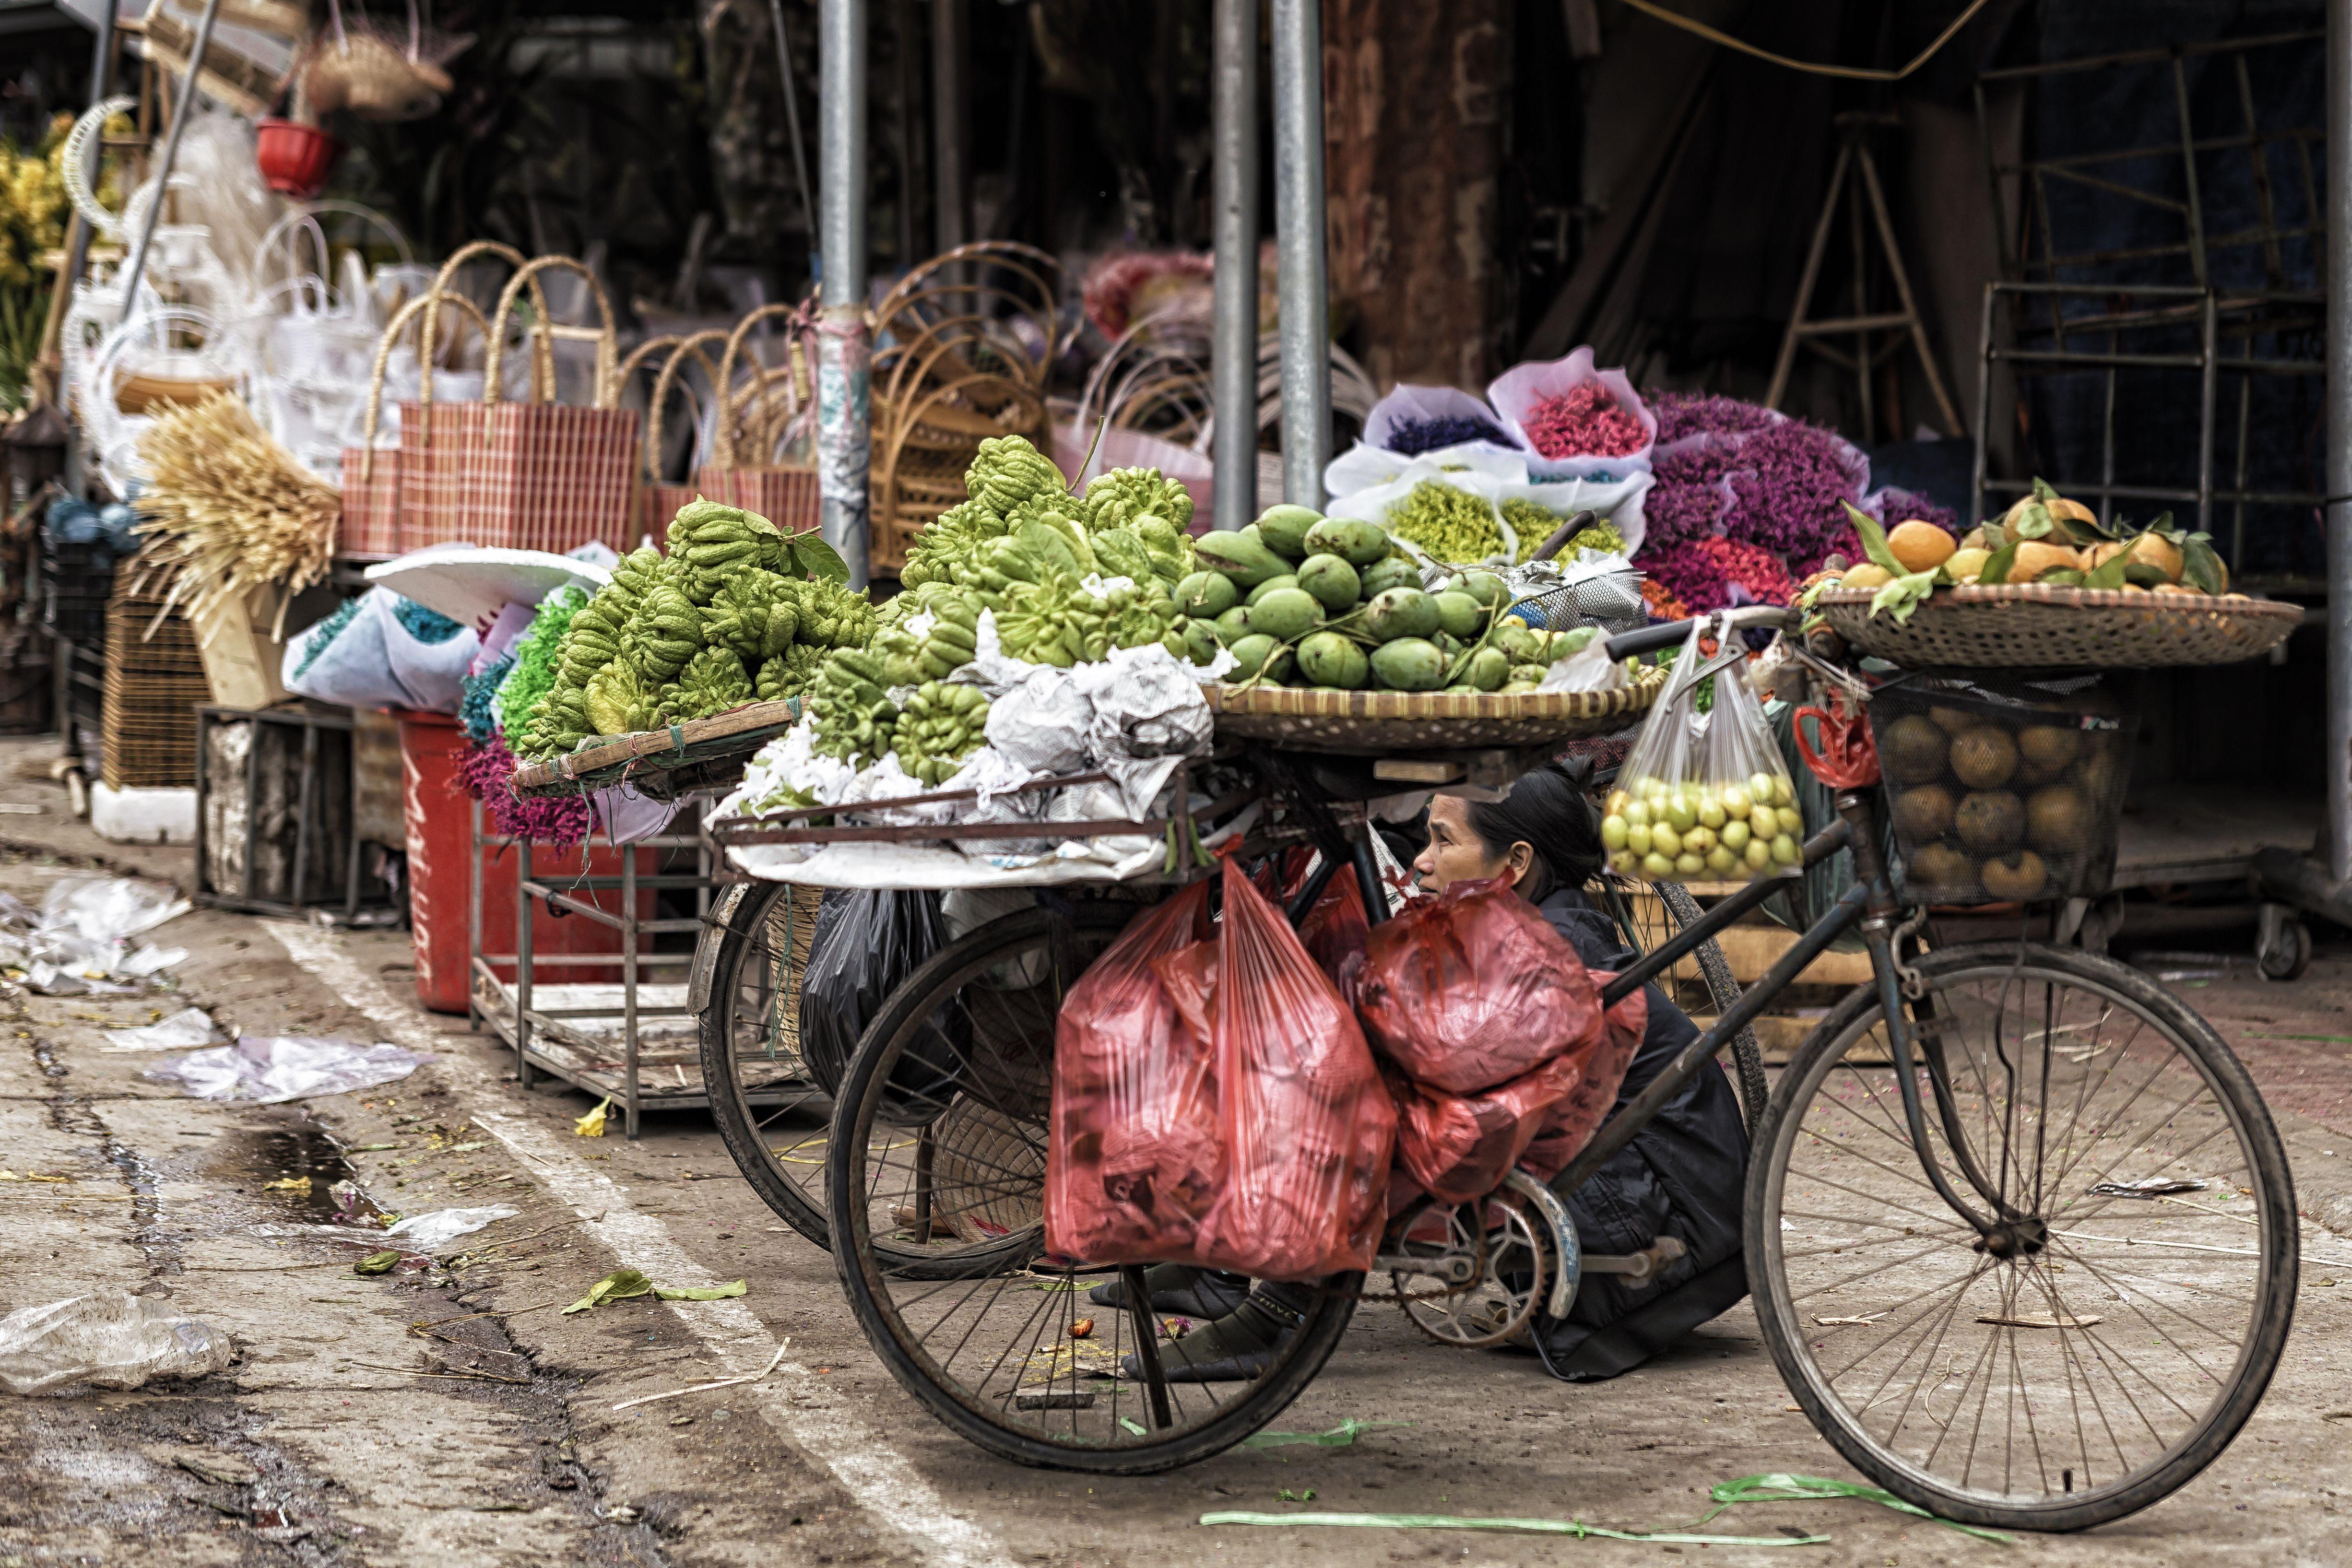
x=1232, y=360
x=181, y=113
x=845, y=414
x=951, y=175
x=101, y=80
x=1303, y=289
x=2338, y=254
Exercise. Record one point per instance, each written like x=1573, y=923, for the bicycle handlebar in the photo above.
x=1672, y=633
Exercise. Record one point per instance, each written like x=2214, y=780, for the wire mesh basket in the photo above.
x=2003, y=789
x=1596, y=590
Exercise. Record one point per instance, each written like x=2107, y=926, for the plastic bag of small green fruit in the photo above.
x=1704, y=797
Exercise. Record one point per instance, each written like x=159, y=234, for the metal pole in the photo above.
x=2338, y=254
x=101, y=77
x=1232, y=360
x=844, y=417
x=951, y=43
x=1303, y=290
x=182, y=112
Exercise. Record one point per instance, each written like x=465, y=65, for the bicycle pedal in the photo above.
x=1636, y=1269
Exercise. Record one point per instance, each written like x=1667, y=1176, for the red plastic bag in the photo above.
x=1334, y=932
x=1474, y=988
x=1136, y=1158
x=1458, y=1147
x=1572, y=1122
x=1289, y=1181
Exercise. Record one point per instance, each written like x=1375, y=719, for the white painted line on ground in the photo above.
x=792, y=1399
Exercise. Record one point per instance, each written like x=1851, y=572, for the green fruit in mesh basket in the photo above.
x=1941, y=869
x=1283, y=529
x=1402, y=613
x=1991, y=821
x=2020, y=875
x=2057, y=819
x=1409, y=664
x=2045, y=752
x=1269, y=586
x=1233, y=625
x=1984, y=757
x=1911, y=750
x=1328, y=659
x=1459, y=614
x=1207, y=595
x=1286, y=615
x=1923, y=812
x=1489, y=668
x=1395, y=571
x=1258, y=652
x=1359, y=543
x=1334, y=583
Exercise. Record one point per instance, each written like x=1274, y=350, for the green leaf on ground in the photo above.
x=377, y=1263
x=1340, y=1436
x=618, y=1285
x=699, y=1292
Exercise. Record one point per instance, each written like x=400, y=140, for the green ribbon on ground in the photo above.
x=1340, y=1436
x=1782, y=1486
x=1575, y=1527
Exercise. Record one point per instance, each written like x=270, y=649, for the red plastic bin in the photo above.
x=440, y=885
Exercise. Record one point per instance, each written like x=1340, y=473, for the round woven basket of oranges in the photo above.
x=2046, y=585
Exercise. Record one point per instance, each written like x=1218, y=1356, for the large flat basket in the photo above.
x=1366, y=724
x=2026, y=626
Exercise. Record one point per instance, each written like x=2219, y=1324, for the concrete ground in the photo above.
x=454, y=1415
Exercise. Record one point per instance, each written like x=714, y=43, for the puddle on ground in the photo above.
x=297, y=1167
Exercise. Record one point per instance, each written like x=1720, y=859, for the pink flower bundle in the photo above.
x=1583, y=421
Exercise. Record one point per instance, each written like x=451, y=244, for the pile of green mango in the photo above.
x=1302, y=599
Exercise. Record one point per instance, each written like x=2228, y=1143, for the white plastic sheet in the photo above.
x=183, y=1031
x=113, y=1339
x=80, y=942
x=432, y=1232
x=271, y=1069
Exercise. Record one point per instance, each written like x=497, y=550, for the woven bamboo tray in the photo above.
x=1365, y=724
x=2026, y=626
x=712, y=751
x=154, y=679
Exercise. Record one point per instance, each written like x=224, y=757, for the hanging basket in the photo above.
x=2027, y=626
x=295, y=158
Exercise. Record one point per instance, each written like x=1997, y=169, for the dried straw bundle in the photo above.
x=230, y=511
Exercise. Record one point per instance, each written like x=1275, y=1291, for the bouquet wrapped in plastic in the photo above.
x=1703, y=796
x=1214, y=1102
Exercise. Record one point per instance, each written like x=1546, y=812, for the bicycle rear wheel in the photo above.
x=943, y=1238
x=2087, y=1359
x=773, y=1115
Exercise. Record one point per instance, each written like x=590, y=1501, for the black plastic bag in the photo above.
x=867, y=944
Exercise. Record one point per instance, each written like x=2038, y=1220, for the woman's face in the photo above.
x=1456, y=854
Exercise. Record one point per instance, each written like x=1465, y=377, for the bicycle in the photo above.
x=1964, y=1174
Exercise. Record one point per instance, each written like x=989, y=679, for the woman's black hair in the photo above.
x=1549, y=809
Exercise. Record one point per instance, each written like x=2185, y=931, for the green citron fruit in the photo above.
x=1360, y=543
x=1459, y=613
x=1200, y=641
x=1328, y=659
x=1286, y=615
x=1270, y=585
x=1522, y=642
x=1485, y=587
x=1394, y=571
x=1259, y=652
x=1283, y=529
x=1402, y=613
x=1489, y=668
x=1241, y=556
x=1233, y=625
x=1332, y=581
x=1207, y=595
x=1409, y=664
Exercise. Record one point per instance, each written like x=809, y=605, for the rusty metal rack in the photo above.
x=595, y=1037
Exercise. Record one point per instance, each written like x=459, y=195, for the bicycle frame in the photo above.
x=1872, y=904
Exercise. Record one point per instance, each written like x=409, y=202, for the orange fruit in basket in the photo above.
x=2062, y=509
x=1919, y=546
x=2021, y=876
x=2036, y=557
x=1867, y=575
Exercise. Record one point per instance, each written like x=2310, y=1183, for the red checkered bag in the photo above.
x=530, y=474
x=369, y=526
x=758, y=417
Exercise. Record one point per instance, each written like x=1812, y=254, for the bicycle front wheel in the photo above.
x=2087, y=1359
x=771, y=1113
x=937, y=1181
